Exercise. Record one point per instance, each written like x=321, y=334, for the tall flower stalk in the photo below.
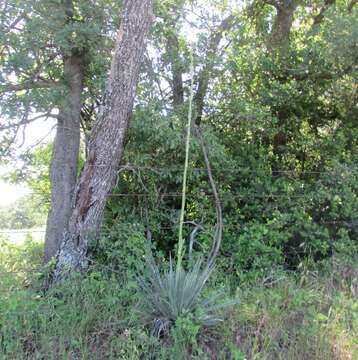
x=173, y=293
x=186, y=165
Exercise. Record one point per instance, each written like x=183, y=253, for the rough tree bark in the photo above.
x=66, y=146
x=65, y=154
x=106, y=144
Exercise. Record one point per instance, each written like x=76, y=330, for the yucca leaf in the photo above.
x=168, y=295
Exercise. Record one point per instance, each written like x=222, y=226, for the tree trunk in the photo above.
x=205, y=73
x=282, y=24
x=107, y=138
x=177, y=79
x=66, y=146
x=278, y=43
x=65, y=156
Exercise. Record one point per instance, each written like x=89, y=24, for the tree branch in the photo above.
x=214, y=42
x=12, y=26
x=29, y=85
x=26, y=121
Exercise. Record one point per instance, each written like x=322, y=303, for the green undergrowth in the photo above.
x=306, y=315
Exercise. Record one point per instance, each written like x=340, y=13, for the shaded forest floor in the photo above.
x=310, y=315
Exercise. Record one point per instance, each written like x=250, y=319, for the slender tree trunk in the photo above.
x=65, y=156
x=205, y=73
x=176, y=67
x=107, y=138
x=278, y=43
x=66, y=146
x=282, y=24
x=177, y=80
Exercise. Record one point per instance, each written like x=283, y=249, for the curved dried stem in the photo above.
x=219, y=215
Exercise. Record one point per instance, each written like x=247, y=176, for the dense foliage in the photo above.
x=281, y=129
x=278, y=113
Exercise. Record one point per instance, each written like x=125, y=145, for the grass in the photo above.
x=290, y=317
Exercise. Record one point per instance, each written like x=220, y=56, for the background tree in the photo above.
x=273, y=193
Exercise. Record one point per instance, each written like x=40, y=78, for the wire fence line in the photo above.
x=41, y=270
x=238, y=170
x=286, y=252
x=222, y=195
x=202, y=193
x=225, y=170
x=159, y=227
x=27, y=231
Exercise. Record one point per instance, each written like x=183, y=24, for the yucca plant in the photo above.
x=174, y=293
